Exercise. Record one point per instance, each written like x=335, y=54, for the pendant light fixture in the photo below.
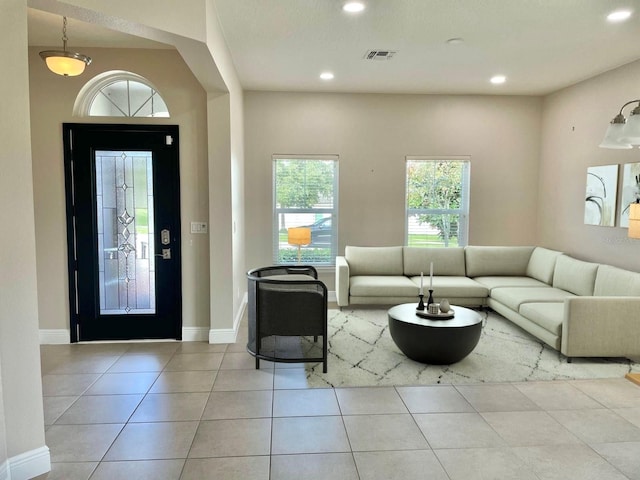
x=62, y=62
x=623, y=133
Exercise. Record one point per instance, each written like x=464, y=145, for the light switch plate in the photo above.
x=199, y=227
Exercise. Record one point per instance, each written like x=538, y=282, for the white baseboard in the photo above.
x=54, y=337
x=62, y=336
x=4, y=471
x=195, y=334
x=229, y=335
x=331, y=296
x=58, y=337
x=189, y=334
x=29, y=464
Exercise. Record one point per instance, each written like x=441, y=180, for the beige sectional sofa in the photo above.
x=580, y=308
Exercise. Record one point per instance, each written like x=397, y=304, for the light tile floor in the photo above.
x=169, y=411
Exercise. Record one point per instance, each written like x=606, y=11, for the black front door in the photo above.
x=123, y=229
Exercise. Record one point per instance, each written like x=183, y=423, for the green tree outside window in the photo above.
x=436, y=200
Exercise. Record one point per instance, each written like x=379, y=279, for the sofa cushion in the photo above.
x=542, y=264
x=374, y=260
x=496, y=282
x=446, y=261
x=453, y=287
x=382, y=286
x=612, y=281
x=575, y=276
x=514, y=297
x=548, y=315
x=492, y=261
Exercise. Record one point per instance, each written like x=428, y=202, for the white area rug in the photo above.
x=362, y=353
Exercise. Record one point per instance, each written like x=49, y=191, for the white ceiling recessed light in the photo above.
x=498, y=79
x=326, y=76
x=619, y=15
x=353, y=7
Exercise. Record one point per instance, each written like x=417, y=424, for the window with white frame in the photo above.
x=305, y=194
x=437, y=201
x=118, y=93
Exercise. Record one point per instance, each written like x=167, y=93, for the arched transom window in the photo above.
x=119, y=94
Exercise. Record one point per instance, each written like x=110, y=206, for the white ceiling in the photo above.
x=283, y=45
x=45, y=30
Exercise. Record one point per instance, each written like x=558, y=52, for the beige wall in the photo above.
x=574, y=122
x=3, y=429
x=21, y=390
x=52, y=99
x=238, y=200
x=226, y=195
x=372, y=134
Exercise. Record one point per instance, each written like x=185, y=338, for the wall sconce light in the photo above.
x=62, y=62
x=623, y=133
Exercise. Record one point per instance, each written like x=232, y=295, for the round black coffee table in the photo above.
x=437, y=342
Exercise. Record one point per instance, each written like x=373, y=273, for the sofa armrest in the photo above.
x=342, y=281
x=601, y=327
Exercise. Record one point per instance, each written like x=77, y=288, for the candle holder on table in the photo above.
x=421, y=302
x=430, y=299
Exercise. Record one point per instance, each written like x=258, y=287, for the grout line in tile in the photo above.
x=273, y=390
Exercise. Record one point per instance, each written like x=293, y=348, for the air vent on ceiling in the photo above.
x=379, y=55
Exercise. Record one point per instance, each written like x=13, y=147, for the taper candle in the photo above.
x=421, y=276
x=431, y=277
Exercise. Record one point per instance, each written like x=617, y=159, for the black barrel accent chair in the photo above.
x=287, y=307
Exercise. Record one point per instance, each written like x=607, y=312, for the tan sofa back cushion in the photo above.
x=612, y=281
x=497, y=261
x=575, y=276
x=542, y=264
x=374, y=260
x=446, y=261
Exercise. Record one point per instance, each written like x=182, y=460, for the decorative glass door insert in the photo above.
x=125, y=229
